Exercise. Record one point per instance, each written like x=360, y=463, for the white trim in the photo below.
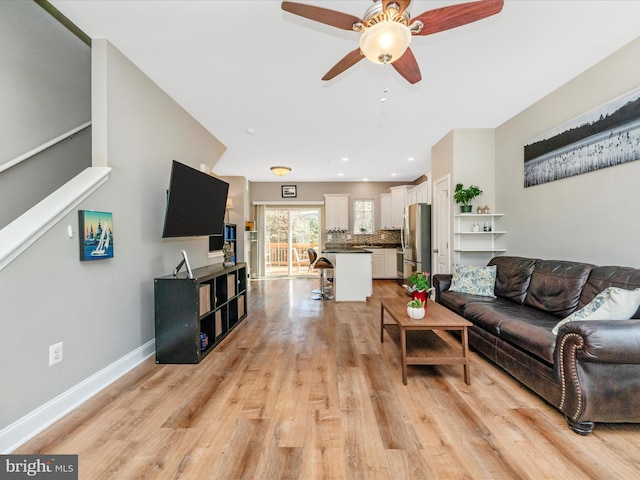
x=16, y=237
x=12, y=163
x=287, y=202
x=33, y=423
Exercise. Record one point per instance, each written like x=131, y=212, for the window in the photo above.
x=363, y=215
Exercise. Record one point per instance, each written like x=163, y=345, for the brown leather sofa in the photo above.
x=590, y=371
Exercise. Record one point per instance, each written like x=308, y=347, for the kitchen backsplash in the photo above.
x=391, y=238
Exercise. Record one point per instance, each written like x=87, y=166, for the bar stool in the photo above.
x=313, y=256
x=321, y=264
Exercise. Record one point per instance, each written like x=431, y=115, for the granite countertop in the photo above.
x=362, y=246
x=345, y=250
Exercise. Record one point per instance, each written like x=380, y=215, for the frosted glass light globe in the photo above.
x=385, y=42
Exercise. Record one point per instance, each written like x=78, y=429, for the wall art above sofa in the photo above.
x=602, y=137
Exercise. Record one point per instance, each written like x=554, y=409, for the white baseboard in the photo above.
x=33, y=423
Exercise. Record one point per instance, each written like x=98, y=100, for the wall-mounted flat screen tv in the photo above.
x=196, y=203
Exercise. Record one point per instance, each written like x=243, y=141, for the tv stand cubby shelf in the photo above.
x=212, y=303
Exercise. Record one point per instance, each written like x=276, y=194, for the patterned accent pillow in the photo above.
x=613, y=303
x=474, y=280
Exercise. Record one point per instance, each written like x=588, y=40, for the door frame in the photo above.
x=442, y=224
x=290, y=206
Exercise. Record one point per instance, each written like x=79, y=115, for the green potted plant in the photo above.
x=415, y=309
x=419, y=281
x=464, y=196
x=420, y=286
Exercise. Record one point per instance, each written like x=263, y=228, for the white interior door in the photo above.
x=442, y=226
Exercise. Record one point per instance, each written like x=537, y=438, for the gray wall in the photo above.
x=101, y=310
x=591, y=217
x=45, y=91
x=270, y=192
x=240, y=211
x=314, y=191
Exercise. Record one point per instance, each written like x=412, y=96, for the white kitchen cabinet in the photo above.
x=352, y=277
x=377, y=263
x=336, y=207
x=412, y=196
x=390, y=263
x=398, y=204
x=385, y=211
x=421, y=193
x=383, y=263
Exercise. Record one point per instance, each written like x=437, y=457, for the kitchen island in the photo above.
x=351, y=273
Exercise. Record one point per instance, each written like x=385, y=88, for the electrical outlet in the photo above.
x=55, y=354
x=348, y=236
x=383, y=236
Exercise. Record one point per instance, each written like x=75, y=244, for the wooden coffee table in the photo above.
x=430, y=350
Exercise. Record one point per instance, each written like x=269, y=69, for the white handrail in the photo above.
x=16, y=237
x=12, y=163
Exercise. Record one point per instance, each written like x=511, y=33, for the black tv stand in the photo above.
x=212, y=303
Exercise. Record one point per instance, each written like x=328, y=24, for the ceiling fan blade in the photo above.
x=349, y=60
x=454, y=16
x=322, y=15
x=407, y=66
x=403, y=4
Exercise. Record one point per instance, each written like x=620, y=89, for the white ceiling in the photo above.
x=240, y=64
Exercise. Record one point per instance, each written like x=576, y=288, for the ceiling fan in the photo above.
x=387, y=28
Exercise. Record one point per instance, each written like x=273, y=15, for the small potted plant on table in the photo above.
x=464, y=196
x=415, y=309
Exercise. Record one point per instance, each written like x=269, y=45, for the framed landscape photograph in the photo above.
x=289, y=191
x=96, y=235
x=603, y=137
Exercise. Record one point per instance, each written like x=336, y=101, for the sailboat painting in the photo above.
x=96, y=234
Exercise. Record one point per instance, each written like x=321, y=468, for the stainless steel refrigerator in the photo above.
x=415, y=237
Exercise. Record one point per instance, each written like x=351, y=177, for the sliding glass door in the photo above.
x=289, y=233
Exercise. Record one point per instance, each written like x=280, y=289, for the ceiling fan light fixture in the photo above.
x=385, y=42
x=280, y=171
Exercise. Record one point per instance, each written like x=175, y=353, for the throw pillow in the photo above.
x=474, y=280
x=613, y=303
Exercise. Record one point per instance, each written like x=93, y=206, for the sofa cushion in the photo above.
x=534, y=337
x=556, y=286
x=513, y=276
x=527, y=328
x=609, y=276
x=473, y=280
x=489, y=315
x=458, y=301
x=613, y=303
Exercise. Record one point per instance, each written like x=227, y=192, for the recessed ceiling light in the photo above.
x=410, y=159
x=251, y=131
x=345, y=159
x=394, y=174
x=365, y=179
x=383, y=99
x=341, y=174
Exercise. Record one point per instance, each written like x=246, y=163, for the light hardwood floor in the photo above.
x=304, y=389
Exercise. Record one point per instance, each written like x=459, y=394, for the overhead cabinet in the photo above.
x=336, y=208
x=385, y=212
x=398, y=204
x=421, y=193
